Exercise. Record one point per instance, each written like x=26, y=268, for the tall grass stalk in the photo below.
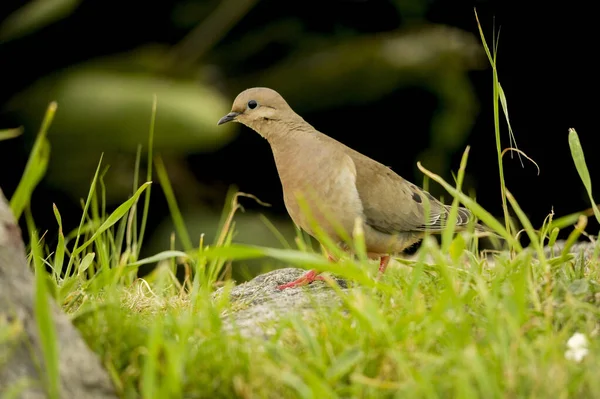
x=498, y=96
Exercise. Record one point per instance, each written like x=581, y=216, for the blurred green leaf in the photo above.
x=584, y=174
x=344, y=363
x=43, y=316
x=433, y=56
x=579, y=287
x=110, y=111
x=158, y=257
x=35, y=15
x=59, y=254
x=163, y=178
x=6, y=134
x=36, y=166
x=86, y=262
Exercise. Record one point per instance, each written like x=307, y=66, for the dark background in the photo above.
x=425, y=101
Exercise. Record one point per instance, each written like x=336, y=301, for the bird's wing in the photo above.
x=392, y=204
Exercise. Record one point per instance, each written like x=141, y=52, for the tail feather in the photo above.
x=465, y=217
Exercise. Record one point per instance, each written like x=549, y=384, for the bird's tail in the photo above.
x=465, y=217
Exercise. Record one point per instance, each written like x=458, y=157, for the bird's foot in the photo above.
x=383, y=264
x=306, y=279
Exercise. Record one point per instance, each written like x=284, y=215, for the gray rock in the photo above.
x=258, y=304
x=21, y=360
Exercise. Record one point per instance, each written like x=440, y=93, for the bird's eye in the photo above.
x=252, y=104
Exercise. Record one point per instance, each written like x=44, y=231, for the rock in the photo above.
x=258, y=303
x=81, y=373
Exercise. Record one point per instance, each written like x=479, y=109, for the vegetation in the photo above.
x=453, y=323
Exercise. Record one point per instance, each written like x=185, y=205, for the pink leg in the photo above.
x=306, y=279
x=383, y=263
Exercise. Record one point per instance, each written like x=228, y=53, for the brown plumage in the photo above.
x=338, y=183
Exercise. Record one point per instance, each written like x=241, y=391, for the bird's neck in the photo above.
x=291, y=147
x=279, y=131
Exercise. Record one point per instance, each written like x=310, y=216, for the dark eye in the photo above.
x=252, y=104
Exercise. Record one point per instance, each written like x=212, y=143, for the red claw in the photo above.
x=383, y=263
x=306, y=279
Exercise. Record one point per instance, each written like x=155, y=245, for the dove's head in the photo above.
x=260, y=108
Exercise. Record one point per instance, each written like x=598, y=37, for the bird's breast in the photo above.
x=319, y=188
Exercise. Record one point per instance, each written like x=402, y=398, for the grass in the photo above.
x=451, y=323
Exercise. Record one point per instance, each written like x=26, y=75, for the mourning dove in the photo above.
x=338, y=184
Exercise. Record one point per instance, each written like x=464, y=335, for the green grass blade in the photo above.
x=132, y=233
x=59, y=254
x=43, y=315
x=148, y=175
x=114, y=217
x=501, y=95
x=344, y=268
x=91, y=193
x=580, y=164
x=163, y=178
x=474, y=207
x=570, y=219
x=533, y=237
x=574, y=235
x=276, y=233
x=451, y=222
x=344, y=363
x=158, y=257
x=149, y=379
x=36, y=166
x=498, y=96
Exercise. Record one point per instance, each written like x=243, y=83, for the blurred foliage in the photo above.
x=105, y=109
x=216, y=49
x=33, y=16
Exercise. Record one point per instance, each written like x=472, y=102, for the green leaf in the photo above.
x=584, y=174
x=6, y=134
x=86, y=262
x=36, y=166
x=34, y=15
x=59, y=255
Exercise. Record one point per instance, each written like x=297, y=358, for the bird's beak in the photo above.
x=228, y=118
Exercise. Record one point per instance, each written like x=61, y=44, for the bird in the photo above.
x=324, y=180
